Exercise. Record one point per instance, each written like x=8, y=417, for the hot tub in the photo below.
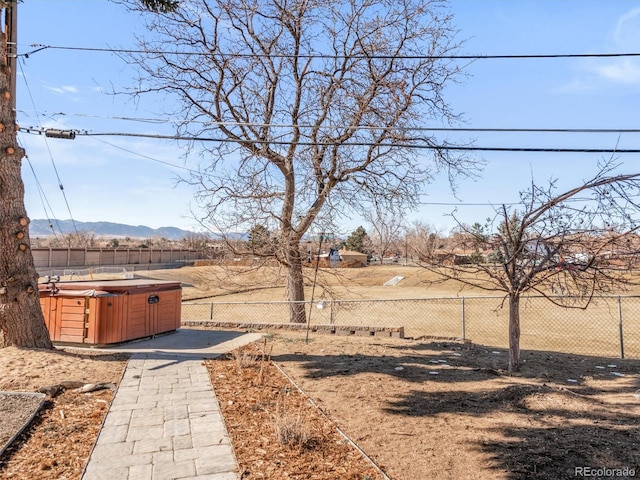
x=110, y=311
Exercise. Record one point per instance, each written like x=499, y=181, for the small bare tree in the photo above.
x=423, y=240
x=387, y=228
x=195, y=241
x=82, y=239
x=555, y=244
x=312, y=104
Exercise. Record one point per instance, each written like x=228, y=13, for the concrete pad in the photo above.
x=189, y=342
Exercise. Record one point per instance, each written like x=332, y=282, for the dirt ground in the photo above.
x=418, y=409
x=277, y=434
x=449, y=411
x=57, y=444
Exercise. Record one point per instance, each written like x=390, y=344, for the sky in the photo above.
x=136, y=180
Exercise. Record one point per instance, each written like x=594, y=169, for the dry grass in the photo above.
x=544, y=326
x=244, y=359
x=267, y=283
x=291, y=428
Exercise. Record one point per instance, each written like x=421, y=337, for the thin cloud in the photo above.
x=624, y=71
x=63, y=90
x=626, y=38
x=627, y=32
x=593, y=74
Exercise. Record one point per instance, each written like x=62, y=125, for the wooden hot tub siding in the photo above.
x=111, y=317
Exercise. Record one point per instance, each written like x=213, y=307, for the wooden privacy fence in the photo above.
x=610, y=327
x=84, y=257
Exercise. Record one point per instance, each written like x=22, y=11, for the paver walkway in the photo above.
x=164, y=423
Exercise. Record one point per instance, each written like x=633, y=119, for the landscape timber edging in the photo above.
x=359, y=330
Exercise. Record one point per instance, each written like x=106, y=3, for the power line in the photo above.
x=38, y=47
x=147, y=156
x=510, y=204
x=55, y=169
x=426, y=145
x=452, y=204
x=360, y=127
x=44, y=200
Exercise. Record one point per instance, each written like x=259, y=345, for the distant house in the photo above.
x=350, y=258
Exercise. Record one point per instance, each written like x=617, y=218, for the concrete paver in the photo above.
x=165, y=421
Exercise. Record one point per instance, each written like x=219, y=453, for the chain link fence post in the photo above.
x=331, y=319
x=464, y=326
x=620, y=327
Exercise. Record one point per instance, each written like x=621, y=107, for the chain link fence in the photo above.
x=102, y=273
x=609, y=327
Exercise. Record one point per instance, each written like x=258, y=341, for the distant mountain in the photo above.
x=41, y=228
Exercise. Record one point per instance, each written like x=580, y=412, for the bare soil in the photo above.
x=446, y=410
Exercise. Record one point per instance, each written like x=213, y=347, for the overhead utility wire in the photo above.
x=44, y=200
x=55, y=168
x=499, y=204
x=362, y=127
x=425, y=146
x=454, y=204
x=40, y=47
x=148, y=157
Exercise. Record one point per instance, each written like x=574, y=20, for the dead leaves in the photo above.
x=276, y=433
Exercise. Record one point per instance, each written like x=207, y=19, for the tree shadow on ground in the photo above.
x=451, y=362
x=556, y=453
x=547, y=420
x=550, y=430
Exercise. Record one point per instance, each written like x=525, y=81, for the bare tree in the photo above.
x=423, y=240
x=313, y=104
x=387, y=228
x=160, y=5
x=196, y=241
x=82, y=239
x=556, y=245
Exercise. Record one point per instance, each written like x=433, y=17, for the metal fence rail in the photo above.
x=103, y=273
x=609, y=327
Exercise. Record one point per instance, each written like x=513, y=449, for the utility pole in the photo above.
x=11, y=32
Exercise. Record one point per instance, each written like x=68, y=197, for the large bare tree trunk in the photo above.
x=21, y=320
x=295, y=285
x=514, y=333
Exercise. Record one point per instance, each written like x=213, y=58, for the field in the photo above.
x=267, y=284
x=420, y=304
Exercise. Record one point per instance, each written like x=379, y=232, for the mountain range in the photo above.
x=42, y=228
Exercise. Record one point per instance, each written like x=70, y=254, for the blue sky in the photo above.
x=124, y=180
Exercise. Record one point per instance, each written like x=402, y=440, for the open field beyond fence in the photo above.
x=610, y=326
